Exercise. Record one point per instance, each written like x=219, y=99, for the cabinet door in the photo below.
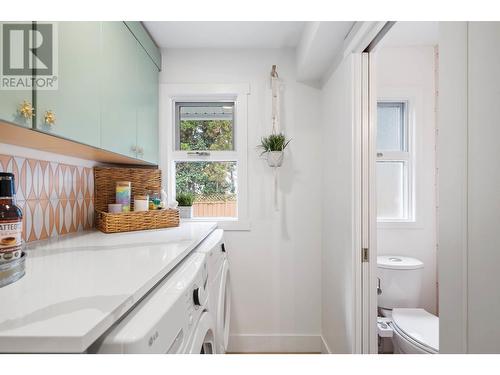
x=76, y=102
x=11, y=99
x=118, y=106
x=147, y=108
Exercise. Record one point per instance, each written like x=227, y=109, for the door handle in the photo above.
x=50, y=117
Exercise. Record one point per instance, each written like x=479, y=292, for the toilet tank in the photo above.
x=400, y=281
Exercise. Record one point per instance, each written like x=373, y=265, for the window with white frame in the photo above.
x=207, y=154
x=395, y=188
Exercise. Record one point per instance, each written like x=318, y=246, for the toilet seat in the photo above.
x=418, y=327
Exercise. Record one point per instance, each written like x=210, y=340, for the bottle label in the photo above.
x=10, y=234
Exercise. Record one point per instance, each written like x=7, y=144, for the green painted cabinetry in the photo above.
x=119, y=90
x=11, y=100
x=145, y=40
x=129, y=114
x=76, y=102
x=147, y=108
x=107, y=93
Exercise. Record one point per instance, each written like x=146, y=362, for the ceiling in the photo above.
x=211, y=34
x=412, y=33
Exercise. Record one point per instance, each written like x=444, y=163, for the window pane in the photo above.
x=391, y=125
x=214, y=185
x=392, y=185
x=205, y=126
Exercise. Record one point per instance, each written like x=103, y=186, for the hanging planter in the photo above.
x=275, y=158
x=273, y=148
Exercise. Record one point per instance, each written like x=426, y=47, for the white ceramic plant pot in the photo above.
x=186, y=212
x=275, y=158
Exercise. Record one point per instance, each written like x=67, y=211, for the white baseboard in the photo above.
x=275, y=343
x=324, y=347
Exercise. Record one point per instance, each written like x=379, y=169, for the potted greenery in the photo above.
x=185, y=200
x=273, y=147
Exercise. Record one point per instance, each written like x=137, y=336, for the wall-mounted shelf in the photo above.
x=32, y=138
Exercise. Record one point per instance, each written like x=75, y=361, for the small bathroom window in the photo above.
x=394, y=162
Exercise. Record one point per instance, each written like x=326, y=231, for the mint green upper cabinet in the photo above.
x=76, y=102
x=119, y=90
x=147, y=108
x=11, y=99
x=107, y=89
x=142, y=36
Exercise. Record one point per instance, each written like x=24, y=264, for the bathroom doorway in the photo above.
x=399, y=178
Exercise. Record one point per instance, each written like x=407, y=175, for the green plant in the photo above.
x=274, y=142
x=185, y=199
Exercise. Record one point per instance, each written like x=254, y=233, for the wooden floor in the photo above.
x=280, y=353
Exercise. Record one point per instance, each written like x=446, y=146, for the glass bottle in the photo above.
x=11, y=220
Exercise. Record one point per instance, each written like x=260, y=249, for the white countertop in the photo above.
x=77, y=286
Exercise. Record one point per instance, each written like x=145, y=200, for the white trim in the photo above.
x=172, y=93
x=367, y=140
x=357, y=215
x=325, y=349
x=275, y=343
x=361, y=35
x=372, y=144
x=25, y=152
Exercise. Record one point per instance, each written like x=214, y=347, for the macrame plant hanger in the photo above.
x=275, y=112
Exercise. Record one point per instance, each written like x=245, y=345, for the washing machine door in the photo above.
x=203, y=341
x=224, y=308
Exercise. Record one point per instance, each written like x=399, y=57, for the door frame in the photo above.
x=362, y=44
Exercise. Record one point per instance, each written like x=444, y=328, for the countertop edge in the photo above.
x=79, y=344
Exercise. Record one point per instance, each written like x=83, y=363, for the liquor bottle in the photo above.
x=11, y=220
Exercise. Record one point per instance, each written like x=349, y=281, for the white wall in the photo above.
x=338, y=299
x=276, y=266
x=469, y=182
x=484, y=188
x=452, y=187
x=410, y=71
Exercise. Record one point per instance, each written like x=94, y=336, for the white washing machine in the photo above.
x=219, y=299
x=202, y=340
x=170, y=319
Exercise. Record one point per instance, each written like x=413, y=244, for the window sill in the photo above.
x=223, y=223
x=399, y=225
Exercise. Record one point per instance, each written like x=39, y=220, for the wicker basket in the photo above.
x=142, y=180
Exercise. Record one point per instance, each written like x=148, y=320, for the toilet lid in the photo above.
x=418, y=325
x=397, y=262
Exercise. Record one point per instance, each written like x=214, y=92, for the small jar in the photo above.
x=154, y=200
x=123, y=189
x=141, y=203
x=114, y=208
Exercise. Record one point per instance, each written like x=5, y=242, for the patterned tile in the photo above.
x=55, y=198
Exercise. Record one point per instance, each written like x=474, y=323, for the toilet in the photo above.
x=414, y=330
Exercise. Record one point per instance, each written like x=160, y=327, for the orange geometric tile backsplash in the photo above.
x=55, y=198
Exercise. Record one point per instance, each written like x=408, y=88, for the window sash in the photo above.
x=195, y=103
x=239, y=199
x=205, y=156
x=405, y=133
x=407, y=192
